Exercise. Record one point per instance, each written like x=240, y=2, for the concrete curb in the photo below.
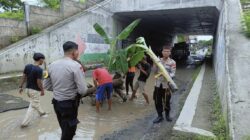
x=184, y=122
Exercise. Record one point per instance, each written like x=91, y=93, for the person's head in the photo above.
x=38, y=58
x=166, y=51
x=71, y=50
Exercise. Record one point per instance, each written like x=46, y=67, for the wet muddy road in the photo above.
x=129, y=120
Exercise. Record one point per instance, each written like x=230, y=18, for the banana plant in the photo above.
x=117, y=58
x=136, y=52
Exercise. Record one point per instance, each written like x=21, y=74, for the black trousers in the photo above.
x=129, y=81
x=66, y=112
x=162, y=100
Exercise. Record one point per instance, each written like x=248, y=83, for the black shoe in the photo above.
x=168, y=119
x=158, y=120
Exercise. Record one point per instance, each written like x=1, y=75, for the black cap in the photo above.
x=38, y=56
x=69, y=45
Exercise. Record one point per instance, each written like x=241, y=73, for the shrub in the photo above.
x=54, y=4
x=19, y=15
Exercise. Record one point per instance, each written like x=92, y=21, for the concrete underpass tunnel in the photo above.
x=160, y=27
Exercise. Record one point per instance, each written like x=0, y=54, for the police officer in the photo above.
x=66, y=79
x=162, y=92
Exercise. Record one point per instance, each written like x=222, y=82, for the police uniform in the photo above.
x=162, y=92
x=66, y=79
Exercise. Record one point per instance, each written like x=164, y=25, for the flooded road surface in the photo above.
x=129, y=115
x=92, y=125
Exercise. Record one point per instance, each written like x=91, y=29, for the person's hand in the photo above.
x=42, y=93
x=20, y=90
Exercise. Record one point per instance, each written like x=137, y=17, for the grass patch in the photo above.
x=246, y=23
x=244, y=1
x=219, y=123
x=15, y=39
x=245, y=18
x=18, y=15
x=53, y=4
x=35, y=30
x=246, y=137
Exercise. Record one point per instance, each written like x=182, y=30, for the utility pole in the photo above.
x=27, y=15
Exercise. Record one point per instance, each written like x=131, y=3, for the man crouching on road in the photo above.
x=162, y=92
x=104, y=83
x=67, y=81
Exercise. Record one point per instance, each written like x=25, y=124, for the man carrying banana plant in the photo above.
x=162, y=92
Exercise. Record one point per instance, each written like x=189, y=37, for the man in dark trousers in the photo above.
x=67, y=81
x=162, y=92
x=33, y=76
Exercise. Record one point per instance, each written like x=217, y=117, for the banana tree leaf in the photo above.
x=136, y=58
x=126, y=32
x=124, y=63
x=102, y=33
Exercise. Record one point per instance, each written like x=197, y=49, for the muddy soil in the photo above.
x=143, y=128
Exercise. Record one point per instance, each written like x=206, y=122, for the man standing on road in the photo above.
x=67, y=81
x=33, y=76
x=145, y=70
x=104, y=83
x=162, y=92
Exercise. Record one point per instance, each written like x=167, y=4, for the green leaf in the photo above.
x=136, y=58
x=102, y=33
x=126, y=32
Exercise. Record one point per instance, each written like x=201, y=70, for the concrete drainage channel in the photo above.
x=184, y=122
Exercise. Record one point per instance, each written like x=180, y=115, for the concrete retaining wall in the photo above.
x=50, y=41
x=10, y=28
x=42, y=18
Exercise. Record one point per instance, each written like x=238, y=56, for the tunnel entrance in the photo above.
x=162, y=27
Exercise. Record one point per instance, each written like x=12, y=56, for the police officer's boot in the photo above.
x=158, y=119
x=167, y=116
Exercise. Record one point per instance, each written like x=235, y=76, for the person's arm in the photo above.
x=23, y=80
x=40, y=86
x=143, y=71
x=94, y=75
x=39, y=81
x=95, y=82
x=173, y=69
x=80, y=81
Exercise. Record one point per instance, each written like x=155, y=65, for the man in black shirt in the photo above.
x=33, y=76
x=145, y=70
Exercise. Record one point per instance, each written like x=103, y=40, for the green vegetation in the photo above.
x=53, y=4
x=15, y=39
x=117, y=58
x=35, y=30
x=205, y=43
x=246, y=23
x=246, y=137
x=244, y=1
x=11, y=5
x=19, y=15
x=181, y=38
x=219, y=123
x=82, y=1
x=246, y=18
